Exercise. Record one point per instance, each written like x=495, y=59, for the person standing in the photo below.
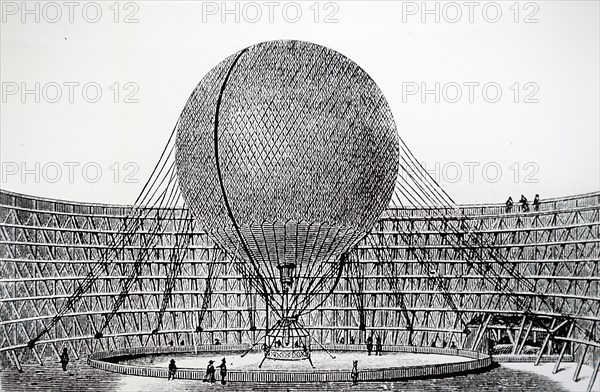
x=172, y=370
x=354, y=373
x=210, y=372
x=64, y=359
x=378, y=346
x=223, y=367
x=509, y=204
x=524, y=204
x=370, y=344
x=536, y=202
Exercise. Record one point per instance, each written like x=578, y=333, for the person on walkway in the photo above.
x=509, y=204
x=536, y=202
x=210, y=373
x=524, y=204
x=223, y=367
x=370, y=344
x=172, y=370
x=378, y=346
x=64, y=359
x=354, y=373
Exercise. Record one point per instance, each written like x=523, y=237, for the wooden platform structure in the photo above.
x=545, y=295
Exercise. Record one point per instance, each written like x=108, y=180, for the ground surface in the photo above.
x=80, y=377
x=321, y=360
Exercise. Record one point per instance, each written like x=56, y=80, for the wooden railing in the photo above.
x=474, y=361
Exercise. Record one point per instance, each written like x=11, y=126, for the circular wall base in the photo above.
x=395, y=363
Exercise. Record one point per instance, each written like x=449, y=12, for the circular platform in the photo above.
x=396, y=363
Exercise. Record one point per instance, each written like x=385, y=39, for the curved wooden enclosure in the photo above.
x=473, y=361
x=544, y=295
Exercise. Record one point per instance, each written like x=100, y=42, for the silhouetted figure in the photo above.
x=182, y=343
x=217, y=342
x=444, y=344
x=354, y=373
x=172, y=370
x=210, y=373
x=297, y=344
x=524, y=204
x=352, y=340
x=171, y=343
x=504, y=340
x=536, y=202
x=223, y=367
x=509, y=204
x=490, y=346
x=64, y=359
x=369, y=344
x=378, y=346
x=342, y=340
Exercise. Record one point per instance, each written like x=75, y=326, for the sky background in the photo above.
x=480, y=151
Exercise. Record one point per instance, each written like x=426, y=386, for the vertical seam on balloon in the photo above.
x=219, y=173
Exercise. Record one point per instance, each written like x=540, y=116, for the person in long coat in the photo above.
x=223, y=367
x=354, y=373
x=369, y=344
x=378, y=346
x=64, y=359
x=210, y=372
x=509, y=204
x=172, y=370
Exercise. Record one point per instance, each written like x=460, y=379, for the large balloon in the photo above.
x=287, y=153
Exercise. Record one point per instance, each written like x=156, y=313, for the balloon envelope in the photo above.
x=287, y=152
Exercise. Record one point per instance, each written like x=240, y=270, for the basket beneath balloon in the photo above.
x=288, y=354
x=288, y=340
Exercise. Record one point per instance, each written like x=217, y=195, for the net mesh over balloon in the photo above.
x=307, y=148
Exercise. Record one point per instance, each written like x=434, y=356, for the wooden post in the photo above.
x=546, y=340
x=37, y=356
x=516, y=345
x=580, y=364
x=562, y=350
x=524, y=339
x=539, y=356
x=593, y=378
x=480, y=332
x=14, y=359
